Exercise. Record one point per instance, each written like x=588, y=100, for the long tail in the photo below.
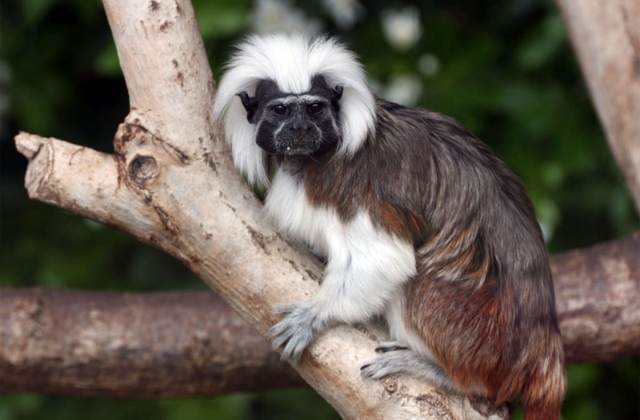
x=543, y=394
x=543, y=410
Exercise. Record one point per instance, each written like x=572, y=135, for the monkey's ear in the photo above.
x=250, y=104
x=336, y=94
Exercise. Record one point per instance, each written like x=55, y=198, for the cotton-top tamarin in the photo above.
x=419, y=221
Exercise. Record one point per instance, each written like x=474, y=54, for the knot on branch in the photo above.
x=133, y=137
x=137, y=153
x=143, y=169
x=141, y=155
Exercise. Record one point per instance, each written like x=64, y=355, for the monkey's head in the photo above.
x=290, y=95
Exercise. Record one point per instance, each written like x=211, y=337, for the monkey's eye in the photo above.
x=280, y=109
x=315, y=107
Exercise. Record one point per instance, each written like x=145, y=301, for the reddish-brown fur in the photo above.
x=477, y=343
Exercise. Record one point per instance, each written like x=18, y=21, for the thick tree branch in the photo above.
x=598, y=300
x=155, y=345
x=606, y=37
x=151, y=345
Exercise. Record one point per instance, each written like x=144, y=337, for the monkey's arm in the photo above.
x=365, y=269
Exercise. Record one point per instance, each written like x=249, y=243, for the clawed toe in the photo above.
x=390, y=346
x=374, y=370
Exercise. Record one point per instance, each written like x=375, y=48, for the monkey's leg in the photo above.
x=406, y=361
x=366, y=267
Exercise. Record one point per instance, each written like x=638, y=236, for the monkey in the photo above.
x=419, y=222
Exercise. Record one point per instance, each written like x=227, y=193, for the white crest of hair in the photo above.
x=291, y=61
x=366, y=266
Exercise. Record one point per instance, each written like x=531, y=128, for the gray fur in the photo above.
x=297, y=329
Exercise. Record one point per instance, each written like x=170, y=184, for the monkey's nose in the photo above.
x=300, y=126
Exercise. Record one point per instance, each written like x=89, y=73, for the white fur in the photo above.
x=289, y=211
x=366, y=267
x=292, y=62
x=300, y=99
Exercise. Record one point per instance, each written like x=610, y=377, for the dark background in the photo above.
x=503, y=68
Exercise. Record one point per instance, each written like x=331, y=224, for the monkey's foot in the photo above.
x=297, y=329
x=390, y=362
x=406, y=361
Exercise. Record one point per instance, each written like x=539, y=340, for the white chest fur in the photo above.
x=291, y=213
x=366, y=266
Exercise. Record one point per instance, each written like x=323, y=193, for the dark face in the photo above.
x=294, y=124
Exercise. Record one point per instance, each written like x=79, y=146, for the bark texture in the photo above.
x=598, y=300
x=606, y=37
x=150, y=345
x=178, y=344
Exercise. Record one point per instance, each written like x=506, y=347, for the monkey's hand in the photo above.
x=298, y=328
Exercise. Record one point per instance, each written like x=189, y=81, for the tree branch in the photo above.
x=598, y=300
x=160, y=345
x=606, y=37
x=150, y=345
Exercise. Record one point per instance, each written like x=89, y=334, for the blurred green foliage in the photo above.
x=505, y=69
